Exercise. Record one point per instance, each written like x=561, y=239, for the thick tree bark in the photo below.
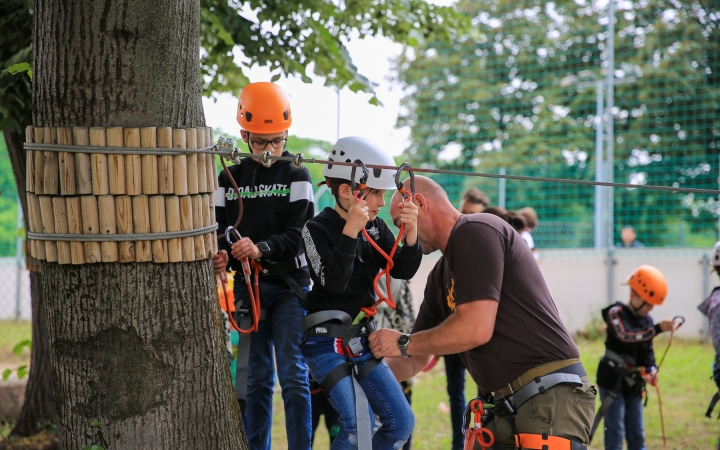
x=137, y=347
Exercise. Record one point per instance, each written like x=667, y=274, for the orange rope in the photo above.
x=483, y=436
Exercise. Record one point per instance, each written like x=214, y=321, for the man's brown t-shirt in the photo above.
x=485, y=258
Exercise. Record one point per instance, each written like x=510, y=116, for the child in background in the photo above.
x=711, y=308
x=629, y=360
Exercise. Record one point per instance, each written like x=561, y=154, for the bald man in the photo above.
x=486, y=299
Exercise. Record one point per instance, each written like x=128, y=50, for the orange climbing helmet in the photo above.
x=649, y=283
x=263, y=108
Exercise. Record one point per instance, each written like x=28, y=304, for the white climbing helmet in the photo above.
x=348, y=149
x=715, y=257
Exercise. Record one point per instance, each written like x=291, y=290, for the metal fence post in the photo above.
x=501, y=189
x=600, y=232
x=18, y=262
x=704, y=264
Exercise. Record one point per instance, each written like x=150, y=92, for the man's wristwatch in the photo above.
x=402, y=343
x=264, y=247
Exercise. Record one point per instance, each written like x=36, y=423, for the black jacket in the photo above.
x=277, y=201
x=343, y=269
x=629, y=336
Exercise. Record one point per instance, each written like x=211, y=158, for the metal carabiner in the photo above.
x=265, y=161
x=229, y=232
x=298, y=160
x=399, y=184
x=363, y=178
x=680, y=320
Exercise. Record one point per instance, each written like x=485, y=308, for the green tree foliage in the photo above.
x=517, y=93
x=295, y=38
x=15, y=48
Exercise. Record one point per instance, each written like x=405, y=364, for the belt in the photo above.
x=341, y=330
x=571, y=366
x=298, y=262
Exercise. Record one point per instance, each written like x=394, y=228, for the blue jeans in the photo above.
x=455, y=373
x=282, y=331
x=624, y=418
x=385, y=398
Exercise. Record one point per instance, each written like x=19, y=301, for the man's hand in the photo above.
x=408, y=217
x=220, y=261
x=667, y=325
x=383, y=343
x=244, y=248
x=357, y=218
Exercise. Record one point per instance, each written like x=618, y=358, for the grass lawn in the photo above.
x=12, y=333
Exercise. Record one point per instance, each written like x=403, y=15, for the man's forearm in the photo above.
x=406, y=368
x=447, y=338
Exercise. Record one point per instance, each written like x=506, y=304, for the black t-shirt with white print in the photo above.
x=277, y=201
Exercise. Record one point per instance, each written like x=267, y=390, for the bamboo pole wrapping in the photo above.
x=141, y=224
x=51, y=168
x=186, y=223
x=201, y=161
x=158, y=225
x=91, y=225
x=68, y=185
x=211, y=210
x=116, y=163
x=172, y=217
x=210, y=162
x=148, y=139
x=165, y=163
x=61, y=226
x=30, y=162
x=214, y=161
x=108, y=225
x=133, y=163
x=99, y=163
x=37, y=247
x=198, y=220
x=39, y=161
x=83, y=170
x=192, y=161
x=207, y=221
x=123, y=213
x=48, y=227
x=74, y=219
x=180, y=184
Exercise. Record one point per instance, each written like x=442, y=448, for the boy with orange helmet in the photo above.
x=277, y=200
x=629, y=360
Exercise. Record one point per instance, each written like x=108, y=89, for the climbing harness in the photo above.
x=628, y=374
x=506, y=402
x=407, y=197
x=337, y=324
x=713, y=402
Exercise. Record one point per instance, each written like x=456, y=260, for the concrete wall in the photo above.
x=579, y=281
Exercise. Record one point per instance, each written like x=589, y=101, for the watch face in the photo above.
x=403, y=340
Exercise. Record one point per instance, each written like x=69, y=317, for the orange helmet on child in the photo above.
x=263, y=108
x=649, y=283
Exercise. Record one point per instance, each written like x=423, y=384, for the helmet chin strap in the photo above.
x=636, y=310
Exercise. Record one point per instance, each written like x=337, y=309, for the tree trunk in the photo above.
x=38, y=408
x=136, y=346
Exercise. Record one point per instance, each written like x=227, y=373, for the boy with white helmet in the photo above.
x=343, y=265
x=711, y=308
